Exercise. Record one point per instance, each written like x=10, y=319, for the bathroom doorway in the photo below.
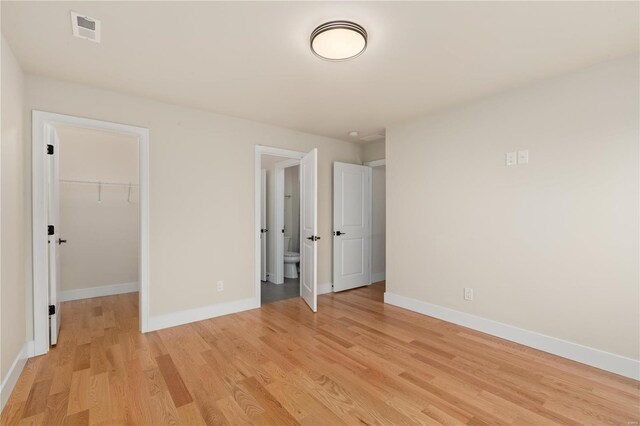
x=280, y=235
x=308, y=234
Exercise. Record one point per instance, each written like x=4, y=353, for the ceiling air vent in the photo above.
x=85, y=27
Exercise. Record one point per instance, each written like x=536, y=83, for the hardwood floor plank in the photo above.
x=56, y=410
x=79, y=392
x=179, y=392
x=37, y=399
x=78, y=419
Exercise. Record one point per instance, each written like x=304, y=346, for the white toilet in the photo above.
x=291, y=260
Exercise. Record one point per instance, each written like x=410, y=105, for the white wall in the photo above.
x=373, y=150
x=14, y=327
x=102, y=237
x=552, y=246
x=378, y=223
x=201, y=189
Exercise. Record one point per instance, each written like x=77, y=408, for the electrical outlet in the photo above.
x=468, y=293
x=511, y=158
x=220, y=285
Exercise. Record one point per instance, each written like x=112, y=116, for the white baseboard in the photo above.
x=107, y=290
x=377, y=277
x=325, y=288
x=584, y=354
x=173, y=319
x=10, y=380
x=31, y=349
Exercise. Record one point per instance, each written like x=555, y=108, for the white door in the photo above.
x=351, y=230
x=309, y=229
x=54, y=238
x=263, y=227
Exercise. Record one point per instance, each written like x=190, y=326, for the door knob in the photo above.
x=338, y=233
x=61, y=241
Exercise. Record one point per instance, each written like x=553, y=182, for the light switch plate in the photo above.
x=523, y=157
x=468, y=293
x=511, y=158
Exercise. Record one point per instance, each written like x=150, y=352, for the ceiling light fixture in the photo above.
x=338, y=40
x=354, y=133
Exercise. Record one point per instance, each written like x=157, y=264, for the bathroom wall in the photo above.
x=292, y=207
x=102, y=236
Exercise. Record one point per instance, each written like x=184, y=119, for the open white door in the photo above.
x=351, y=229
x=54, y=235
x=263, y=227
x=309, y=229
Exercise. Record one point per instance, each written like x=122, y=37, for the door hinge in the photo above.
x=50, y=230
x=50, y=149
x=52, y=309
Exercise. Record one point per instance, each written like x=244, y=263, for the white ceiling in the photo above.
x=252, y=59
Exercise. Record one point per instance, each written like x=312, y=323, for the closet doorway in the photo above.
x=90, y=194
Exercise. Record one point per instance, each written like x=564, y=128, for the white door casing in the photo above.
x=53, y=212
x=309, y=229
x=263, y=227
x=351, y=226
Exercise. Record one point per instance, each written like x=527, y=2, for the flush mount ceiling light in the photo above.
x=338, y=40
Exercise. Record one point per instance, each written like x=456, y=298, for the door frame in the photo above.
x=42, y=122
x=372, y=164
x=263, y=225
x=259, y=151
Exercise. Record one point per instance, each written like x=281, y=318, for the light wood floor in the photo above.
x=357, y=361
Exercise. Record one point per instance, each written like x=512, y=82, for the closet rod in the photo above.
x=90, y=182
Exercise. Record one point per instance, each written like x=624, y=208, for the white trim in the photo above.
x=377, y=277
x=259, y=151
x=173, y=319
x=380, y=276
x=584, y=354
x=107, y=290
x=370, y=236
x=13, y=374
x=31, y=351
x=325, y=288
x=376, y=163
x=41, y=121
